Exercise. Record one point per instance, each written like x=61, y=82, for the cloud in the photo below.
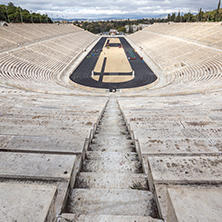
x=113, y=8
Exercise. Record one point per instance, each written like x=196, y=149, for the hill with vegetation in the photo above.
x=14, y=14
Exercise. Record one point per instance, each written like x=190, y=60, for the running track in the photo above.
x=82, y=74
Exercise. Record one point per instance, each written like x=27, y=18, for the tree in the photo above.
x=173, y=17
x=3, y=16
x=188, y=17
x=130, y=29
x=10, y=4
x=122, y=29
x=168, y=17
x=217, y=11
x=200, y=15
x=178, y=17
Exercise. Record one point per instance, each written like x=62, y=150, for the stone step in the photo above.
x=111, y=115
x=110, y=122
x=113, y=147
x=112, y=165
x=95, y=180
x=112, y=202
x=96, y=155
x=105, y=218
x=118, y=123
x=112, y=132
x=112, y=139
x=111, y=119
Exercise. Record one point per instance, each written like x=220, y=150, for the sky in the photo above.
x=99, y=9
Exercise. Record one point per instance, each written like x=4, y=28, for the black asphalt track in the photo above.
x=143, y=74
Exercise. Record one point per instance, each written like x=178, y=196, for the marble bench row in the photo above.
x=19, y=35
x=42, y=141
x=172, y=53
x=178, y=138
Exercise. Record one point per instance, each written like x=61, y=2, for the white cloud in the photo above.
x=113, y=8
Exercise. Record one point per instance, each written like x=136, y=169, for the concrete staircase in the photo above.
x=111, y=184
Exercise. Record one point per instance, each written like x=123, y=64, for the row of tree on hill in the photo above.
x=201, y=16
x=11, y=13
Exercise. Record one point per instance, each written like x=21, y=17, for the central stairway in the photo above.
x=111, y=185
